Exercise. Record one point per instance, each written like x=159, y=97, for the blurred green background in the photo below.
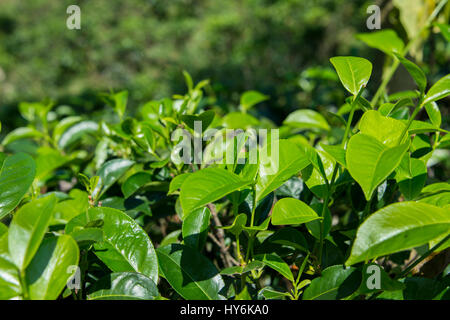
x=278, y=47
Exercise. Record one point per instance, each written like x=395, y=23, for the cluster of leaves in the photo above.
x=86, y=202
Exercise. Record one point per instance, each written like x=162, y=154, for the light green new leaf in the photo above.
x=386, y=130
x=276, y=263
x=385, y=40
x=195, y=228
x=109, y=173
x=415, y=72
x=27, y=229
x=126, y=247
x=206, y=186
x=177, y=182
x=250, y=98
x=434, y=113
x=191, y=274
x=306, y=119
x=439, y=90
x=397, y=227
x=238, y=225
x=354, y=72
x=47, y=161
x=336, y=282
x=445, y=30
x=239, y=120
x=370, y=162
x=10, y=287
x=292, y=211
x=16, y=176
x=124, y=286
x=277, y=166
x=337, y=152
x=48, y=272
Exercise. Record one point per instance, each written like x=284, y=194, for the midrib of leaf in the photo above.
x=33, y=234
x=222, y=189
x=123, y=256
x=353, y=75
x=190, y=276
x=275, y=176
x=324, y=292
x=382, y=241
x=372, y=181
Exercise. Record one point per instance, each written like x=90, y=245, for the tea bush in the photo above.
x=160, y=206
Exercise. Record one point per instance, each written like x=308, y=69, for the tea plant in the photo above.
x=340, y=210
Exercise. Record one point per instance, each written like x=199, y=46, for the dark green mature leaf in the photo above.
x=66, y=210
x=195, y=228
x=438, y=91
x=336, y=282
x=21, y=133
x=135, y=182
x=27, y=229
x=412, y=181
x=278, y=165
x=273, y=261
x=422, y=288
x=292, y=211
x=238, y=225
x=47, y=274
x=319, y=173
x=272, y=294
x=126, y=246
x=109, y=173
x=206, y=186
x=370, y=162
x=306, y=119
x=205, y=119
x=384, y=40
x=191, y=274
x=398, y=227
x=76, y=132
x=287, y=237
x=415, y=72
x=16, y=177
x=124, y=286
x=354, y=72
